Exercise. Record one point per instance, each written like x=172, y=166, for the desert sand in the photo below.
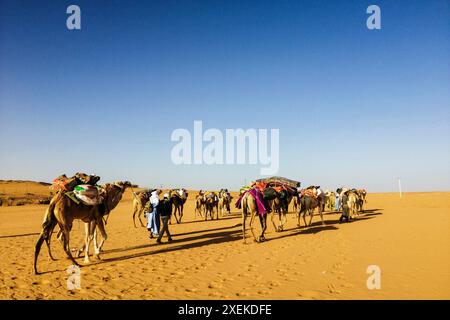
x=408, y=238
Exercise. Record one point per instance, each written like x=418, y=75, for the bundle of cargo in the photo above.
x=90, y=195
x=63, y=183
x=279, y=181
x=81, y=188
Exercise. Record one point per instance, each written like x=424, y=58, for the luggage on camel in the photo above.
x=269, y=194
x=81, y=188
x=64, y=183
x=279, y=181
x=89, y=195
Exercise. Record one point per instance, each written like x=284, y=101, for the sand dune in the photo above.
x=407, y=238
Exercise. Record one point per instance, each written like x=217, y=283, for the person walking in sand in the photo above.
x=165, y=211
x=151, y=213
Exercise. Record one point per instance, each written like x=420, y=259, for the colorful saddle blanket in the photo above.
x=257, y=195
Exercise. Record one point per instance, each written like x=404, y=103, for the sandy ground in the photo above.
x=407, y=238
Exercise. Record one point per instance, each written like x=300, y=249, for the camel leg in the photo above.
x=140, y=214
x=181, y=212
x=311, y=212
x=177, y=209
x=244, y=216
x=272, y=218
x=48, y=240
x=304, y=217
x=89, y=234
x=321, y=216
x=37, y=249
x=83, y=247
x=97, y=248
x=283, y=219
x=252, y=217
x=263, y=221
x=101, y=228
x=65, y=236
x=135, y=211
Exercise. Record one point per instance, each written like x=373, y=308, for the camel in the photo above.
x=330, y=200
x=280, y=205
x=352, y=203
x=361, y=193
x=139, y=201
x=211, y=203
x=62, y=211
x=224, y=202
x=200, y=202
x=249, y=207
x=309, y=201
x=178, y=198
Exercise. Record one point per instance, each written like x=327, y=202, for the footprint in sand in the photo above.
x=332, y=289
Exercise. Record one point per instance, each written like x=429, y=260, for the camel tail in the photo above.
x=48, y=225
x=49, y=216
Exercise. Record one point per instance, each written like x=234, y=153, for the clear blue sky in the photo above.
x=354, y=107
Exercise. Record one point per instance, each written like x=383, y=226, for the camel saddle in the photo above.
x=308, y=192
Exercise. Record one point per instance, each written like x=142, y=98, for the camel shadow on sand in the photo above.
x=221, y=235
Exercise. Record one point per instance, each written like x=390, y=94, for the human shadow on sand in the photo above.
x=214, y=238
x=202, y=219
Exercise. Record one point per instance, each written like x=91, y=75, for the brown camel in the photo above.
x=249, y=207
x=139, y=201
x=280, y=205
x=352, y=203
x=224, y=202
x=308, y=203
x=211, y=202
x=295, y=203
x=200, y=201
x=361, y=193
x=330, y=200
x=178, y=198
x=62, y=211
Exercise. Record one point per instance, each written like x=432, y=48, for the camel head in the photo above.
x=87, y=179
x=114, y=192
x=123, y=184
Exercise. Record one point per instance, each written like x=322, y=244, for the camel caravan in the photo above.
x=81, y=198
x=206, y=202
x=272, y=196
